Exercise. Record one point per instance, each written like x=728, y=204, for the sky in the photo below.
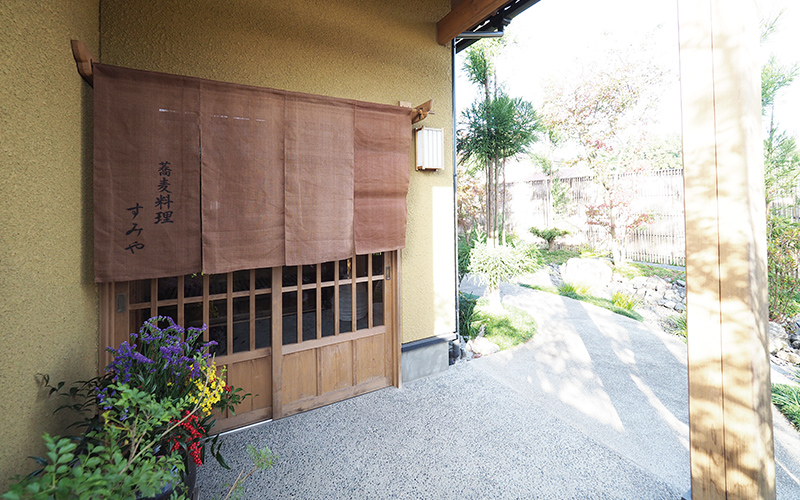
x=551, y=35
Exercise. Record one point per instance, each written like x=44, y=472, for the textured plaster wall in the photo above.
x=48, y=302
x=373, y=50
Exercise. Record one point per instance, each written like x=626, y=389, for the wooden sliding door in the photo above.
x=295, y=337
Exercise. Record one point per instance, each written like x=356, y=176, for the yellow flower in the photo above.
x=210, y=388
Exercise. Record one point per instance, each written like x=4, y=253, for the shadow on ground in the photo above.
x=593, y=407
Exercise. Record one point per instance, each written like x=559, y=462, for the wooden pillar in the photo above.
x=729, y=381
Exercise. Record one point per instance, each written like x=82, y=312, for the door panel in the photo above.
x=295, y=338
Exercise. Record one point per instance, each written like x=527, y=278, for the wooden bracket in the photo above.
x=422, y=111
x=83, y=59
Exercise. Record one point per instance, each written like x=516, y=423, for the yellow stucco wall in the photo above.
x=48, y=302
x=367, y=50
x=370, y=50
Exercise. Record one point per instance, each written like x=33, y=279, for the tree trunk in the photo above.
x=488, y=196
x=494, y=305
x=548, y=216
x=503, y=218
x=616, y=251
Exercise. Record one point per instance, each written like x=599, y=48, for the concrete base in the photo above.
x=423, y=357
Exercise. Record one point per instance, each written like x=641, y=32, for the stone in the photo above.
x=680, y=307
x=669, y=304
x=654, y=283
x=653, y=296
x=788, y=356
x=590, y=272
x=672, y=295
x=639, y=282
x=483, y=346
x=680, y=283
x=778, y=338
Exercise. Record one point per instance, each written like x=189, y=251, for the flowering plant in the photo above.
x=143, y=420
x=173, y=364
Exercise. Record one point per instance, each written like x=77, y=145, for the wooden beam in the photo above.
x=83, y=59
x=422, y=111
x=464, y=16
x=730, y=417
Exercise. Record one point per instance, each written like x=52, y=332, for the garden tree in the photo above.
x=783, y=259
x=781, y=170
x=496, y=127
x=781, y=155
x=618, y=217
x=558, y=191
x=470, y=201
x=605, y=115
x=549, y=235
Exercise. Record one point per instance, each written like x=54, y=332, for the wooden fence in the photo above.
x=659, y=193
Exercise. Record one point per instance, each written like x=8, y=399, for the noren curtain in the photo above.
x=193, y=175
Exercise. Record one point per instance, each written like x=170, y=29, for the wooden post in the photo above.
x=729, y=381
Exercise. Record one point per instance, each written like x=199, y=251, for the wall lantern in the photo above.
x=430, y=148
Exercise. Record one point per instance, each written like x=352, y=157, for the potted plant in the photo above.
x=146, y=423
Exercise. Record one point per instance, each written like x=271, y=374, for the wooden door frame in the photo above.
x=115, y=323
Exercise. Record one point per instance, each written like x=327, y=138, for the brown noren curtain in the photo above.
x=319, y=180
x=242, y=170
x=383, y=141
x=146, y=175
x=193, y=176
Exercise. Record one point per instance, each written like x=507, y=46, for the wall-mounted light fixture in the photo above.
x=430, y=148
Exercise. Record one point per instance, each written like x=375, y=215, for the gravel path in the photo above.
x=593, y=407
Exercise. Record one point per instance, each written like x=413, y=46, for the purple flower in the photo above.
x=141, y=358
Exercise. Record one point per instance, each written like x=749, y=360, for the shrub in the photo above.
x=787, y=399
x=549, y=235
x=494, y=265
x=574, y=290
x=624, y=301
x=783, y=257
x=466, y=241
x=466, y=315
x=676, y=324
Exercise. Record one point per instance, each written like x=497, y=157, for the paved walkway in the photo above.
x=593, y=407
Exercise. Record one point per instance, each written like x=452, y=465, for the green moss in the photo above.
x=558, y=256
x=607, y=304
x=580, y=293
x=634, y=269
x=508, y=329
